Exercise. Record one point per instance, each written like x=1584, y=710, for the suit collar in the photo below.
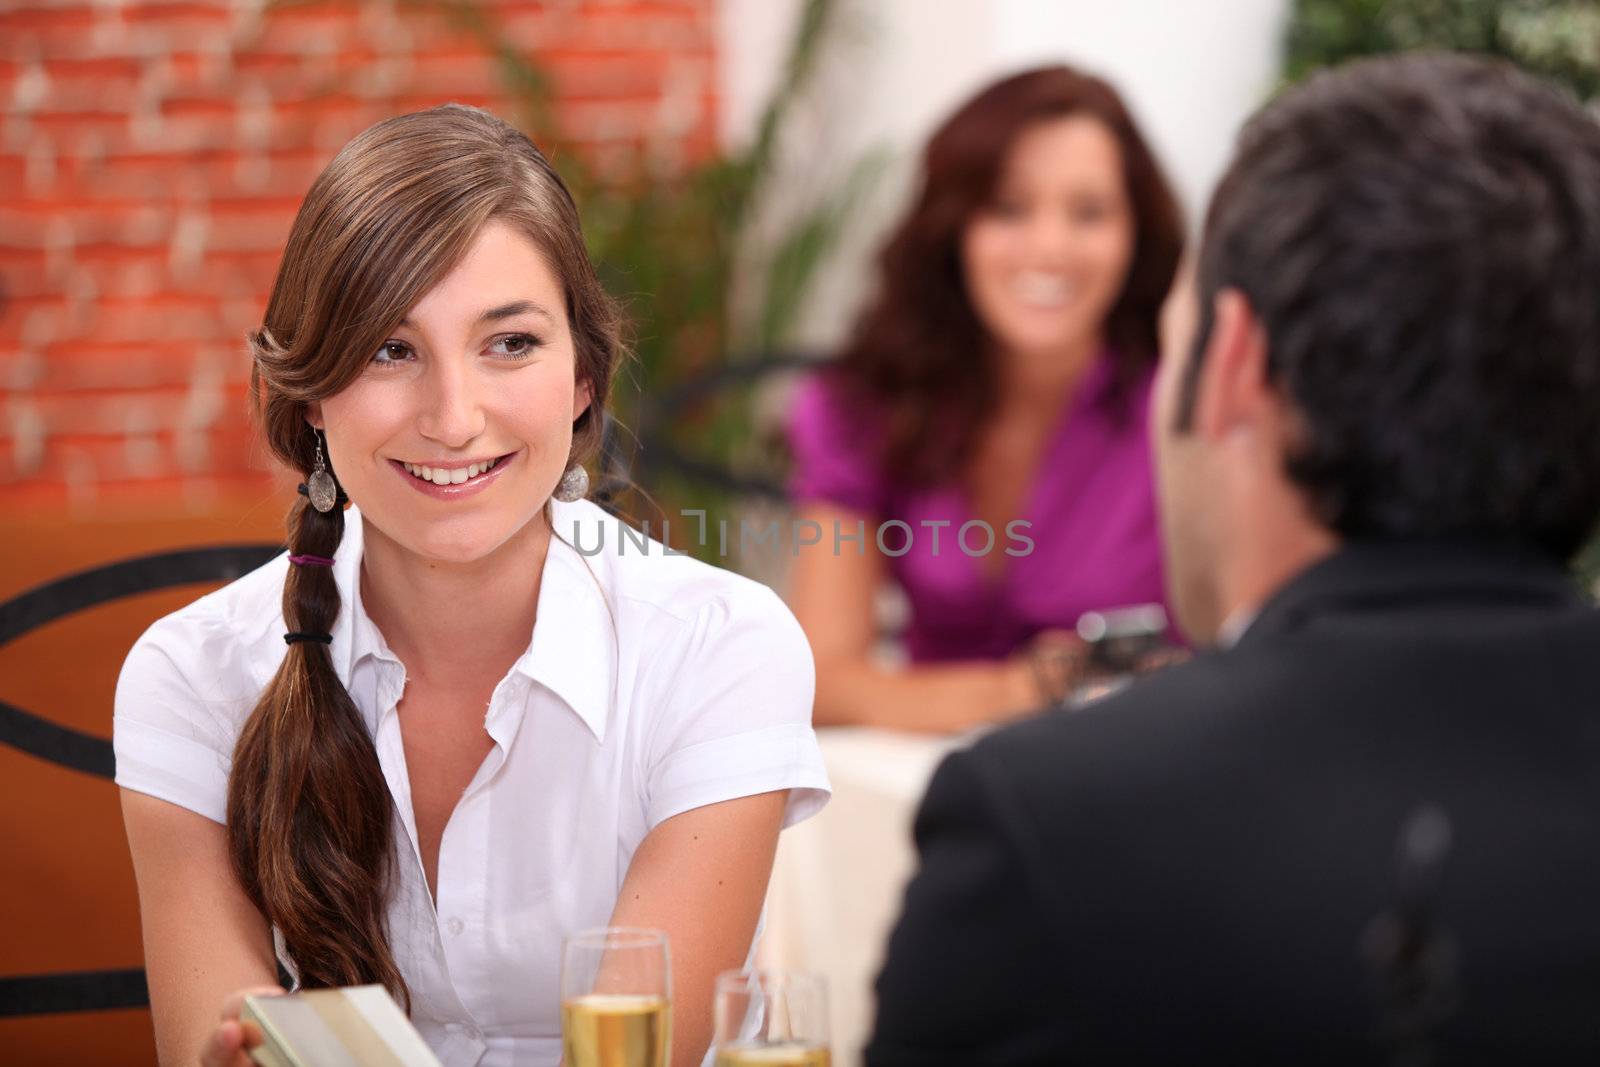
x=1373, y=575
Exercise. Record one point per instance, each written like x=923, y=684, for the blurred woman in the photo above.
x=985, y=424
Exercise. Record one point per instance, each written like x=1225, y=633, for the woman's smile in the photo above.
x=453, y=480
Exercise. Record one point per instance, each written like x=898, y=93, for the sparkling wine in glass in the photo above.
x=616, y=998
x=771, y=1019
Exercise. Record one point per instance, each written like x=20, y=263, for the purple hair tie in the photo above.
x=311, y=561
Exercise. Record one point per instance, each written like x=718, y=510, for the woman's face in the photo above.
x=460, y=426
x=1045, y=261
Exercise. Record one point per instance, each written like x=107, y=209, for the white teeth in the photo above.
x=1038, y=287
x=448, y=475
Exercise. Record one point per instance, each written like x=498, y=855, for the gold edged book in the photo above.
x=357, y=1026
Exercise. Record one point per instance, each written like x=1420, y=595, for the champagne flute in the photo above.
x=616, y=998
x=771, y=1019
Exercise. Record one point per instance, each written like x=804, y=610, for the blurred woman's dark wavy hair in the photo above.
x=920, y=358
x=309, y=814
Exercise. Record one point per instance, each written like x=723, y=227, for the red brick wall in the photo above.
x=152, y=156
x=151, y=159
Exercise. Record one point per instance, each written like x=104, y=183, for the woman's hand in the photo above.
x=1055, y=663
x=1064, y=673
x=231, y=1041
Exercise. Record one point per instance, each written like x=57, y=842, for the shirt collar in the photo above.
x=1108, y=388
x=574, y=647
x=1098, y=378
x=352, y=630
x=573, y=650
x=1235, y=626
x=355, y=636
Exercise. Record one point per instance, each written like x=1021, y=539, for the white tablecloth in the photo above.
x=837, y=883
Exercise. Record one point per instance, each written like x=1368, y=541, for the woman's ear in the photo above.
x=582, y=395
x=314, y=416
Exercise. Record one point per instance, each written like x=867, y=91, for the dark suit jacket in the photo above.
x=1188, y=871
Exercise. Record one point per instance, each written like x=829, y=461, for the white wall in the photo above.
x=1191, y=71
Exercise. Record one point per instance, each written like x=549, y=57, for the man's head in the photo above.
x=1392, y=330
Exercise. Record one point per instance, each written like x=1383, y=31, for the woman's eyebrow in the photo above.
x=504, y=311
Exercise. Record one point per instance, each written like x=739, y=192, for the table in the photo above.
x=838, y=879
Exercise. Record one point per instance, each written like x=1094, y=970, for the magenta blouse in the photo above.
x=1091, y=509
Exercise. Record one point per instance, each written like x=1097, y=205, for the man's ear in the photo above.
x=314, y=415
x=1233, y=386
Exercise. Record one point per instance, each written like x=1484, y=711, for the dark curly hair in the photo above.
x=1420, y=238
x=919, y=358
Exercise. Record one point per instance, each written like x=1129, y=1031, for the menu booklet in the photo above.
x=357, y=1026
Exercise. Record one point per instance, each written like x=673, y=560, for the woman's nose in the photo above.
x=452, y=410
x=1050, y=234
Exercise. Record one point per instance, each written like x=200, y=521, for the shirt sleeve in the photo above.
x=830, y=462
x=738, y=719
x=170, y=741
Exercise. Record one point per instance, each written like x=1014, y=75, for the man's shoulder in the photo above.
x=1163, y=727
x=1189, y=746
x=1303, y=712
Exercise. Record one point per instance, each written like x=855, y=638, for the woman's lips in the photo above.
x=453, y=491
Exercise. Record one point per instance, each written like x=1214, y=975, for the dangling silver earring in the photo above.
x=574, y=484
x=321, y=489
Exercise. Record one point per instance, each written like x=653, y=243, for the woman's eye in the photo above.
x=515, y=346
x=512, y=346
x=1091, y=213
x=391, y=352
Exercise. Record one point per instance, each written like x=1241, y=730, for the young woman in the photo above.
x=434, y=737
x=999, y=378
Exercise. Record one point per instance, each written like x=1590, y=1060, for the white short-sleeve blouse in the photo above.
x=653, y=684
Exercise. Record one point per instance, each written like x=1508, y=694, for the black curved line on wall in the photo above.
x=61, y=745
x=740, y=371
x=47, y=994
x=29, y=610
x=37, y=736
x=42, y=604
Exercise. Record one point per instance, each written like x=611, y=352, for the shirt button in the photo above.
x=455, y=926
